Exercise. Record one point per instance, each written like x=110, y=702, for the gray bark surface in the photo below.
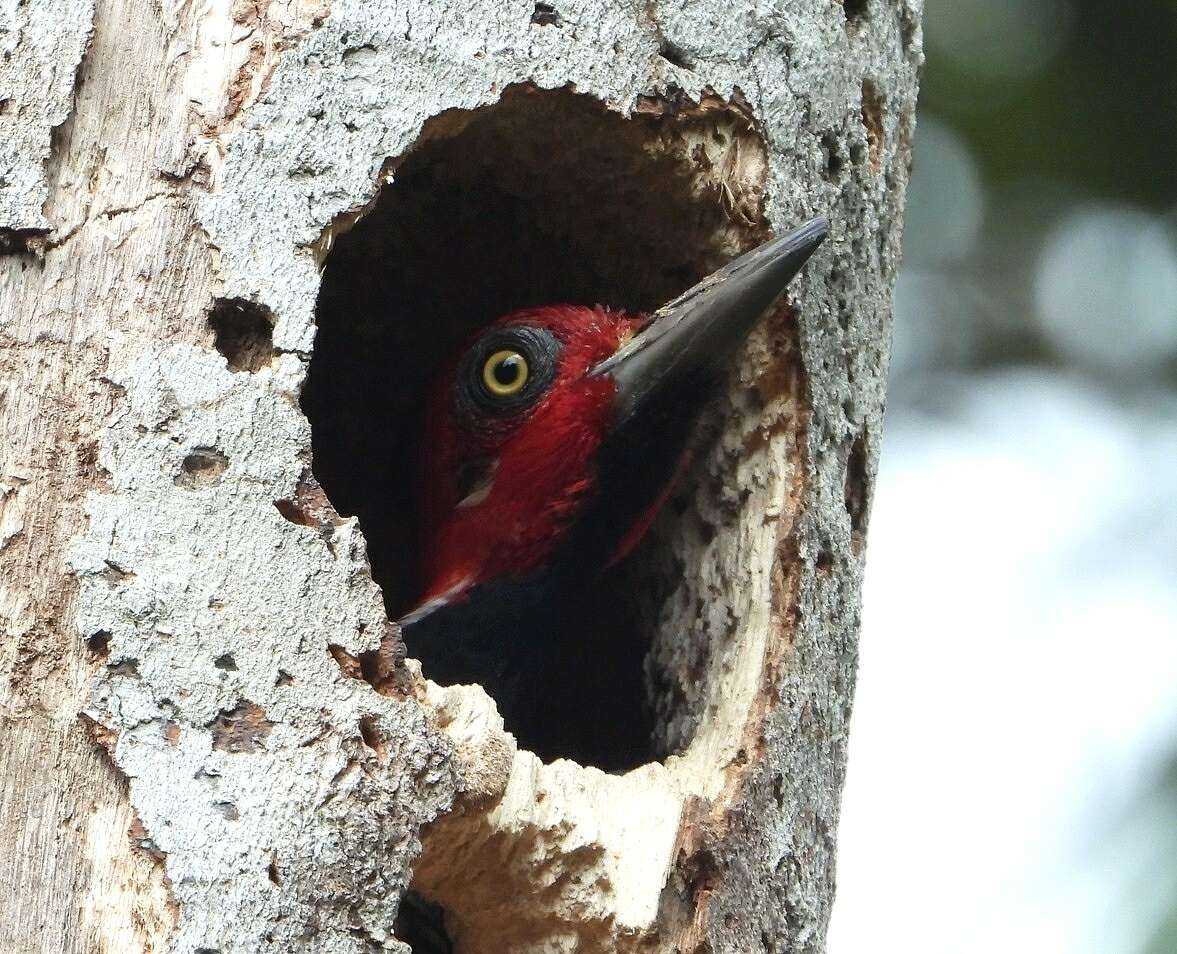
x=187, y=760
x=41, y=45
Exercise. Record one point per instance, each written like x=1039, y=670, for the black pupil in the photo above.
x=507, y=371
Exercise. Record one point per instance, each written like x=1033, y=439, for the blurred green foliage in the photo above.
x=1100, y=114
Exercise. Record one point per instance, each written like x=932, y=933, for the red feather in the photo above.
x=542, y=463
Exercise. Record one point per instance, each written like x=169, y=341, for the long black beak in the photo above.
x=703, y=327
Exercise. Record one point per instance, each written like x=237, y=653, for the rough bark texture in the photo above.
x=41, y=45
x=188, y=760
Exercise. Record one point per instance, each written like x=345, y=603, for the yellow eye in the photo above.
x=505, y=373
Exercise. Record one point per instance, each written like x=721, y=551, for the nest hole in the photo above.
x=544, y=197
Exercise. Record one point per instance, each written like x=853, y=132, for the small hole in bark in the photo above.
x=832, y=147
x=226, y=662
x=243, y=331
x=284, y=679
x=855, y=10
x=676, y=55
x=124, y=667
x=227, y=810
x=370, y=733
x=857, y=493
x=872, y=121
x=242, y=729
x=701, y=871
x=544, y=197
x=421, y=925
x=272, y=871
x=204, y=467
x=99, y=643
x=115, y=573
x=382, y=668
x=545, y=14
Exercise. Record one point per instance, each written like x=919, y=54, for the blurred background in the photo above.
x=1013, y=761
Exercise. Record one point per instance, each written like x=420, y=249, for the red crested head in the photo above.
x=513, y=427
x=569, y=417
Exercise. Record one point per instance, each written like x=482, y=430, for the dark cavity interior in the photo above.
x=421, y=924
x=543, y=197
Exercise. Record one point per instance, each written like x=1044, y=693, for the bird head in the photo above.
x=568, y=422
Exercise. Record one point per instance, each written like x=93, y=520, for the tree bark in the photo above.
x=207, y=740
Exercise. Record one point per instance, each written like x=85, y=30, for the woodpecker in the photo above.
x=549, y=444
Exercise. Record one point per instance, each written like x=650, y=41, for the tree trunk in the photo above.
x=209, y=741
